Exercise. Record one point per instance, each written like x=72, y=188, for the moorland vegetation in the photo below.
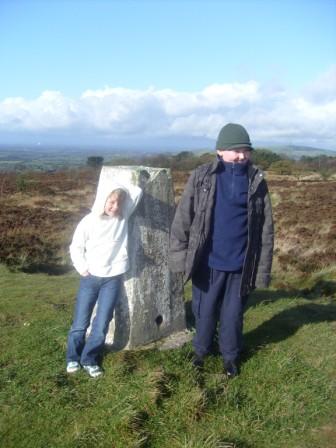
x=40, y=209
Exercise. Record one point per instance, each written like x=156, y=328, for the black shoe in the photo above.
x=231, y=369
x=198, y=362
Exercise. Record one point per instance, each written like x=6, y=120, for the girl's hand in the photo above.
x=85, y=274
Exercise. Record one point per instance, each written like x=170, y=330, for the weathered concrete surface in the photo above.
x=151, y=306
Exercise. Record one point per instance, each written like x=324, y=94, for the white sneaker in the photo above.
x=93, y=371
x=73, y=366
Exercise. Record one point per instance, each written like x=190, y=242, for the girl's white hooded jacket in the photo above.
x=99, y=244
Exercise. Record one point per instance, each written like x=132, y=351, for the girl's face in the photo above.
x=113, y=205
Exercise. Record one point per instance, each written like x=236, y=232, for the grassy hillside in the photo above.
x=284, y=397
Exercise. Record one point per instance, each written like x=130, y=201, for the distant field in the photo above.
x=21, y=161
x=47, y=159
x=39, y=158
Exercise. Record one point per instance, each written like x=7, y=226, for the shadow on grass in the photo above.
x=50, y=269
x=322, y=288
x=281, y=326
x=285, y=324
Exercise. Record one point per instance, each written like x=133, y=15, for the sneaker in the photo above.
x=93, y=371
x=73, y=366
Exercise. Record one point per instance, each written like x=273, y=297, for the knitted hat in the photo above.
x=233, y=136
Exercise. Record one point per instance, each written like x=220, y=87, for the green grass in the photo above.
x=284, y=397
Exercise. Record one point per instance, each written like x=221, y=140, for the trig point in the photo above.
x=151, y=306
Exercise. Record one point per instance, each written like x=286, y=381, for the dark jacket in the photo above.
x=192, y=222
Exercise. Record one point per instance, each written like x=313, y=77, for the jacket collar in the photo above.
x=214, y=166
x=252, y=169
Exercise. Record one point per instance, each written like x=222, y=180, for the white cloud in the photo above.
x=51, y=110
x=270, y=113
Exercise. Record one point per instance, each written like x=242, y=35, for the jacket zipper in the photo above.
x=249, y=213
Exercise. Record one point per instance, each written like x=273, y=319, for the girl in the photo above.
x=99, y=254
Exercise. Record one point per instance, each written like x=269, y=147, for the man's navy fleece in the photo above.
x=229, y=222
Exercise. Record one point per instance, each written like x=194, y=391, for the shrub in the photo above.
x=95, y=161
x=21, y=184
x=284, y=167
x=264, y=158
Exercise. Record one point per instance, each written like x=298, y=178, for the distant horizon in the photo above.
x=140, y=147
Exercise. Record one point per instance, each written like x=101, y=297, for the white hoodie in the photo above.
x=99, y=244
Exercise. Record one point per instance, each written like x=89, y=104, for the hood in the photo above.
x=104, y=189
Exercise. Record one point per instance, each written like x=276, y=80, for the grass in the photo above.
x=284, y=397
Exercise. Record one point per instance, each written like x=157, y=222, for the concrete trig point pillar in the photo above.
x=151, y=306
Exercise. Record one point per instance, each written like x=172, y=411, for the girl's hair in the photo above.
x=119, y=192
x=121, y=195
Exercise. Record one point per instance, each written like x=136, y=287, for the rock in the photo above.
x=151, y=305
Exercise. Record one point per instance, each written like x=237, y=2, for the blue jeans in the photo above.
x=105, y=292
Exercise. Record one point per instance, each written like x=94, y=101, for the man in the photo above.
x=222, y=238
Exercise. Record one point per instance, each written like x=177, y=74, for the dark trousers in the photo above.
x=216, y=297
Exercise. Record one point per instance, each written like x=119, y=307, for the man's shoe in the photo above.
x=93, y=371
x=73, y=366
x=198, y=362
x=231, y=369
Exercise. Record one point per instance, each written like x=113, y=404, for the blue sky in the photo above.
x=118, y=68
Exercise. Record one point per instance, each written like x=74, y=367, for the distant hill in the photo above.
x=296, y=152
x=45, y=157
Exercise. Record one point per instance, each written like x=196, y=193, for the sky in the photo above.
x=111, y=71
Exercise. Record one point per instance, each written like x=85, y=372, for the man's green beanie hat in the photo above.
x=233, y=136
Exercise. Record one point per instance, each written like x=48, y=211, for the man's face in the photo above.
x=235, y=156
x=113, y=206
